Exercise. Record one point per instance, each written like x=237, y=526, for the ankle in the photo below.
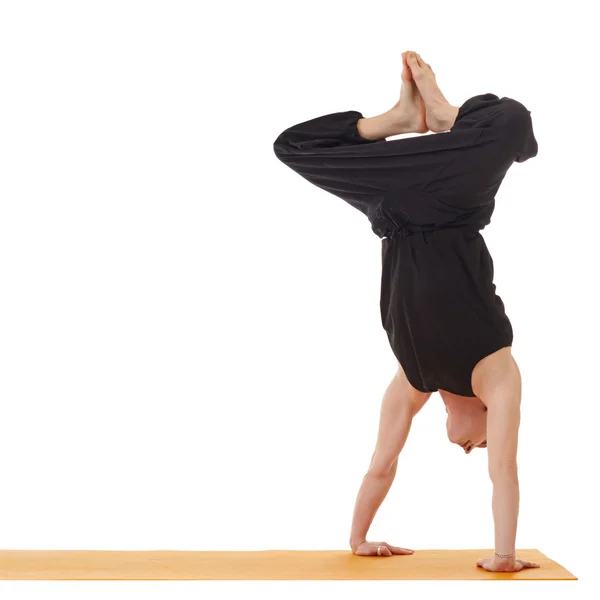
x=400, y=123
x=441, y=116
x=451, y=114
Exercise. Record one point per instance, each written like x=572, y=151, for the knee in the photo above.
x=522, y=129
x=515, y=111
x=508, y=472
x=517, y=127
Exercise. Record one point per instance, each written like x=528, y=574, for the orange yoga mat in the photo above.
x=264, y=565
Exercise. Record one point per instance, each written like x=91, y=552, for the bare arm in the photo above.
x=503, y=399
x=375, y=486
x=504, y=417
x=398, y=409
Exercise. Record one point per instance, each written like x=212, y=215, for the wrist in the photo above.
x=356, y=542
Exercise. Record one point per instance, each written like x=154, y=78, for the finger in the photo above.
x=420, y=61
x=398, y=550
x=385, y=551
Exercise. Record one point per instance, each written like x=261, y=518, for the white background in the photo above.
x=191, y=353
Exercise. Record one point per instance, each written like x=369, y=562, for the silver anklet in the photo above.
x=504, y=555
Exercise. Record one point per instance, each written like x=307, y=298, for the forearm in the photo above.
x=372, y=492
x=382, y=126
x=505, y=507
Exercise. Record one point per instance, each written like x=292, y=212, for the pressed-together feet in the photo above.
x=422, y=106
x=410, y=108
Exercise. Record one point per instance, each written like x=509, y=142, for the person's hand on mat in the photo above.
x=370, y=549
x=505, y=565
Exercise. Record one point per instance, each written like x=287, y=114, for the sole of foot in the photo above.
x=440, y=115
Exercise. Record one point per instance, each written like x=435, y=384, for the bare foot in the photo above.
x=410, y=109
x=439, y=113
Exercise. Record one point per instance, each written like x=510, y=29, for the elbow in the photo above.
x=383, y=465
x=382, y=471
x=503, y=471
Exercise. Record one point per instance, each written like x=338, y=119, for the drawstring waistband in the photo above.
x=408, y=231
x=405, y=232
